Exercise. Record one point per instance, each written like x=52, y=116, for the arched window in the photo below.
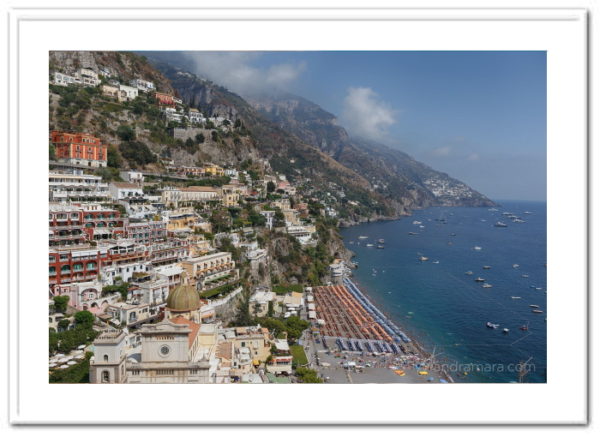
x=106, y=358
x=105, y=376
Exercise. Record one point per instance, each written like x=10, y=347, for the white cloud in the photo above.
x=365, y=115
x=235, y=70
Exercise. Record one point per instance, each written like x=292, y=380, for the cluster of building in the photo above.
x=143, y=257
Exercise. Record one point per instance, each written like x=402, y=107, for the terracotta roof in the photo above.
x=225, y=350
x=180, y=320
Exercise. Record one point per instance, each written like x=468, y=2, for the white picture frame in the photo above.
x=562, y=32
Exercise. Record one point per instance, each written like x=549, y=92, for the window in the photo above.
x=51, y=259
x=164, y=350
x=106, y=358
x=52, y=271
x=91, y=266
x=105, y=376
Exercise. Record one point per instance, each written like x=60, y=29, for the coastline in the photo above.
x=414, y=346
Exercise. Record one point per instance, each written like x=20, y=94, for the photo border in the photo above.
x=21, y=14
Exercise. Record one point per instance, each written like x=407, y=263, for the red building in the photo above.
x=164, y=99
x=72, y=225
x=79, y=148
x=77, y=265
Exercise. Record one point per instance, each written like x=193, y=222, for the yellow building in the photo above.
x=213, y=170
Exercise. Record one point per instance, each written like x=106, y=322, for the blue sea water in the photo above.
x=445, y=309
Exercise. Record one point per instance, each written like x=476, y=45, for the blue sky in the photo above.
x=479, y=116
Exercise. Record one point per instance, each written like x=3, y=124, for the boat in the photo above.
x=487, y=285
x=534, y=306
x=416, y=222
x=453, y=234
x=527, y=212
x=537, y=311
x=524, y=327
x=487, y=267
x=518, y=220
x=505, y=330
x=363, y=237
x=380, y=246
x=435, y=262
x=370, y=245
x=515, y=266
x=492, y=209
x=412, y=233
x=492, y=325
x=500, y=225
x=515, y=297
x=381, y=241
x=479, y=279
x=422, y=226
x=423, y=258
x=477, y=248
x=524, y=276
x=469, y=273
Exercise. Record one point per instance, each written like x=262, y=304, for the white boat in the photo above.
x=370, y=245
x=423, y=258
x=505, y=330
x=487, y=285
x=524, y=276
x=469, y=273
x=492, y=325
x=416, y=222
x=515, y=297
x=477, y=248
x=500, y=225
x=435, y=262
x=363, y=237
x=479, y=279
x=515, y=266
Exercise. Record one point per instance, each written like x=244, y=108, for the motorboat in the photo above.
x=469, y=273
x=534, y=306
x=515, y=297
x=505, y=330
x=492, y=325
x=435, y=262
x=487, y=285
x=525, y=327
x=416, y=222
x=363, y=237
x=380, y=246
x=370, y=245
x=524, y=276
x=412, y=233
x=500, y=225
x=537, y=311
x=515, y=266
x=423, y=258
x=477, y=248
x=381, y=241
x=487, y=267
x=479, y=279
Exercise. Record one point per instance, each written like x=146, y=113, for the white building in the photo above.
x=259, y=303
x=88, y=77
x=65, y=80
x=189, y=194
x=64, y=187
x=125, y=190
x=135, y=177
x=142, y=85
x=195, y=116
x=128, y=92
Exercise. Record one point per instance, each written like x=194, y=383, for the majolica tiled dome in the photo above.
x=183, y=298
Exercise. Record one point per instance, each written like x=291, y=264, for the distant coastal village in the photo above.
x=163, y=270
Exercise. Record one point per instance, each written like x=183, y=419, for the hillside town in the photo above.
x=174, y=272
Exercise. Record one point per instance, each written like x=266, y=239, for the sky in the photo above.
x=478, y=116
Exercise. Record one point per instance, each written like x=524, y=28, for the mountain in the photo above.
x=402, y=180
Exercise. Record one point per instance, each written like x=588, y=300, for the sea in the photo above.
x=442, y=307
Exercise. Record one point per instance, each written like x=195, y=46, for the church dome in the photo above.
x=183, y=298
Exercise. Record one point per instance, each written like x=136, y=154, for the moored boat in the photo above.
x=492, y=325
x=479, y=279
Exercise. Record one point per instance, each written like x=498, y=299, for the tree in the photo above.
x=63, y=324
x=200, y=138
x=113, y=159
x=84, y=318
x=52, y=152
x=60, y=303
x=271, y=186
x=125, y=133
